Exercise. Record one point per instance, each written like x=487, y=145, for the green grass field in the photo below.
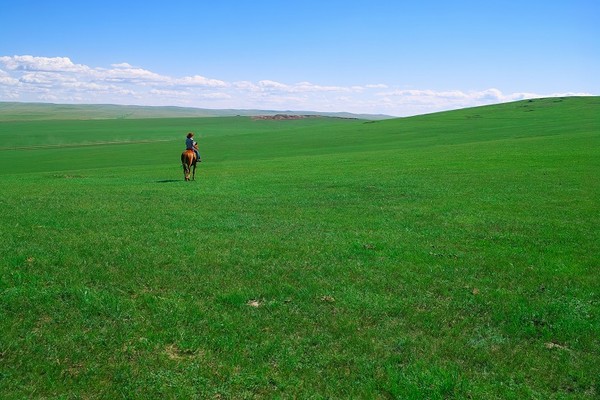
x=451, y=255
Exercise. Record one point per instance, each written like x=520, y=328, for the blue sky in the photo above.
x=392, y=57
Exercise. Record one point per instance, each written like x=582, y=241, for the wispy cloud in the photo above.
x=58, y=79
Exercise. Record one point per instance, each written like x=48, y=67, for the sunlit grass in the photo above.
x=430, y=257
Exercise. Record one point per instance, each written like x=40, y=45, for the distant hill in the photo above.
x=15, y=111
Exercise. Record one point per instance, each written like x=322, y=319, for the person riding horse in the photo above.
x=190, y=144
x=190, y=157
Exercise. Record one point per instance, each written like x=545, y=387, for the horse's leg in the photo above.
x=194, y=172
x=183, y=163
x=186, y=171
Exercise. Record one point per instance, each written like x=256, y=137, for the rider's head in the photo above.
x=189, y=135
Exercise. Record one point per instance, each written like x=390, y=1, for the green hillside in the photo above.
x=450, y=255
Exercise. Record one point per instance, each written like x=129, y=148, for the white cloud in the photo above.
x=198, y=80
x=122, y=65
x=309, y=87
x=129, y=74
x=216, y=96
x=7, y=80
x=30, y=63
x=245, y=85
x=169, y=93
x=46, y=78
x=427, y=94
x=266, y=84
x=377, y=86
x=58, y=79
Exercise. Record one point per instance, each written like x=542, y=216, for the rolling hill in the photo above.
x=44, y=111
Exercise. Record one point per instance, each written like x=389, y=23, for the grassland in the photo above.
x=452, y=255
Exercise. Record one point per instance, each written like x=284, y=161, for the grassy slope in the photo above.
x=447, y=255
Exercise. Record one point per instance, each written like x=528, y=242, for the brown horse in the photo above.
x=188, y=160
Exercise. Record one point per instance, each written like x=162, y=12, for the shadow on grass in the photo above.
x=170, y=180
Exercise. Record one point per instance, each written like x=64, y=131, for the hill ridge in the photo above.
x=22, y=111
